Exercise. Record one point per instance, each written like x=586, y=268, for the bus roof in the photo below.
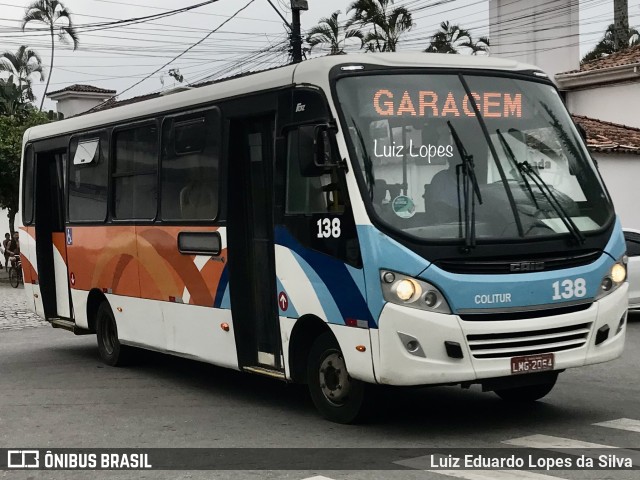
x=308, y=71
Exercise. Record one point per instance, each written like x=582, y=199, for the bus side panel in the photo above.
x=105, y=258
x=190, y=288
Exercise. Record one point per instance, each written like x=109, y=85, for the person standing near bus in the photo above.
x=5, y=245
x=13, y=248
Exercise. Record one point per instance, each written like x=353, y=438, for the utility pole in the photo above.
x=296, y=36
x=621, y=24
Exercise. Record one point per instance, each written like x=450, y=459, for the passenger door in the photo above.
x=251, y=252
x=51, y=240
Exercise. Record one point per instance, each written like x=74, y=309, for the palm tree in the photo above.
x=479, y=46
x=11, y=98
x=607, y=45
x=329, y=33
x=56, y=17
x=388, y=24
x=449, y=39
x=23, y=63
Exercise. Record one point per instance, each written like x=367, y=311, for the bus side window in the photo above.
x=190, y=166
x=88, y=178
x=307, y=195
x=135, y=173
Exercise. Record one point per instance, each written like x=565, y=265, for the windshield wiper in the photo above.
x=514, y=163
x=469, y=177
x=572, y=228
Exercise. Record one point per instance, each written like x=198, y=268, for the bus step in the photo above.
x=266, y=371
x=68, y=325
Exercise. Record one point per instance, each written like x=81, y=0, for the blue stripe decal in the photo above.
x=226, y=299
x=291, y=309
x=346, y=294
x=222, y=286
x=324, y=295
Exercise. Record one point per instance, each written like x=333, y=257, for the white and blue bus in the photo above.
x=398, y=219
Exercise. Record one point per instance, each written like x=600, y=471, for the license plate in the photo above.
x=532, y=363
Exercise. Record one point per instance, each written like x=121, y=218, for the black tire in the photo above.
x=112, y=352
x=529, y=393
x=347, y=404
x=14, y=277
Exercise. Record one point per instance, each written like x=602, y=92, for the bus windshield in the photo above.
x=463, y=157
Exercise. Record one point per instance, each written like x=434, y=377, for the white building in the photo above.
x=607, y=89
x=544, y=33
x=79, y=98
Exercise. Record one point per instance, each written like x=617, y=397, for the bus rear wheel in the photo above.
x=336, y=395
x=529, y=393
x=112, y=352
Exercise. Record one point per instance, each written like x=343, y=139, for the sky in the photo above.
x=118, y=58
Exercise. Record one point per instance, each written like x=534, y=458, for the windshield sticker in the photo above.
x=403, y=206
x=428, y=103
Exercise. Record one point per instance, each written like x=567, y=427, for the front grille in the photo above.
x=503, y=265
x=523, y=314
x=505, y=345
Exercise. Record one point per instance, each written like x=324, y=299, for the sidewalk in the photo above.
x=14, y=313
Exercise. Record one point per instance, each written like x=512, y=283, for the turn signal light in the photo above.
x=224, y=326
x=361, y=348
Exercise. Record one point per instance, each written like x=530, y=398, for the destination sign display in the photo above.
x=389, y=102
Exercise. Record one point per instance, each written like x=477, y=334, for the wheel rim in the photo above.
x=109, y=336
x=334, y=379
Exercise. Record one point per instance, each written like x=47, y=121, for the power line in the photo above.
x=187, y=50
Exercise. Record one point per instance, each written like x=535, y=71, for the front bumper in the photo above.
x=487, y=346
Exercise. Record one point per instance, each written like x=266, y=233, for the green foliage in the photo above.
x=12, y=130
x=387, y=24
x=21, y=65
x=329, y=34
x=57, y=18
x=607, y=45
x=452, y=38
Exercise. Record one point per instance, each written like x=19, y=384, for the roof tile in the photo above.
x=84, y=89
x=608, y=137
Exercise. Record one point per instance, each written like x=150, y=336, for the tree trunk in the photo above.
x=12, y=221
x=46, y=88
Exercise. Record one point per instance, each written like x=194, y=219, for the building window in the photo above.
x=88, y=178
x=190, y=166
x=135, y=173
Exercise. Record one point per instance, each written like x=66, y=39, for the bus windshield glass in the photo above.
x=488, y=157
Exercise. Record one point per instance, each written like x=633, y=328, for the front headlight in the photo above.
x=616, y=277
x=411, y=292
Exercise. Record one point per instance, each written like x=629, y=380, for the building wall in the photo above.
x=519, y=30
x=621, y=174
x=613, y=103
x=73, y=106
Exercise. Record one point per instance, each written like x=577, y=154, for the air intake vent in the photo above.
x=518, y=264
x=505, y=345
x=479, y=316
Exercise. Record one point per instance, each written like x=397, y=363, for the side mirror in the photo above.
x=316, y=149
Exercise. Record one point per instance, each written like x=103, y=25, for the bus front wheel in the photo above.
x=529, y=393
x=112, y=352
x=336, y=395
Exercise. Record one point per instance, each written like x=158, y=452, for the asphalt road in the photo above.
x=55, y=392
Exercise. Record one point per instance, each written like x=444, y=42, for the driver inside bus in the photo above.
x=441, y=195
